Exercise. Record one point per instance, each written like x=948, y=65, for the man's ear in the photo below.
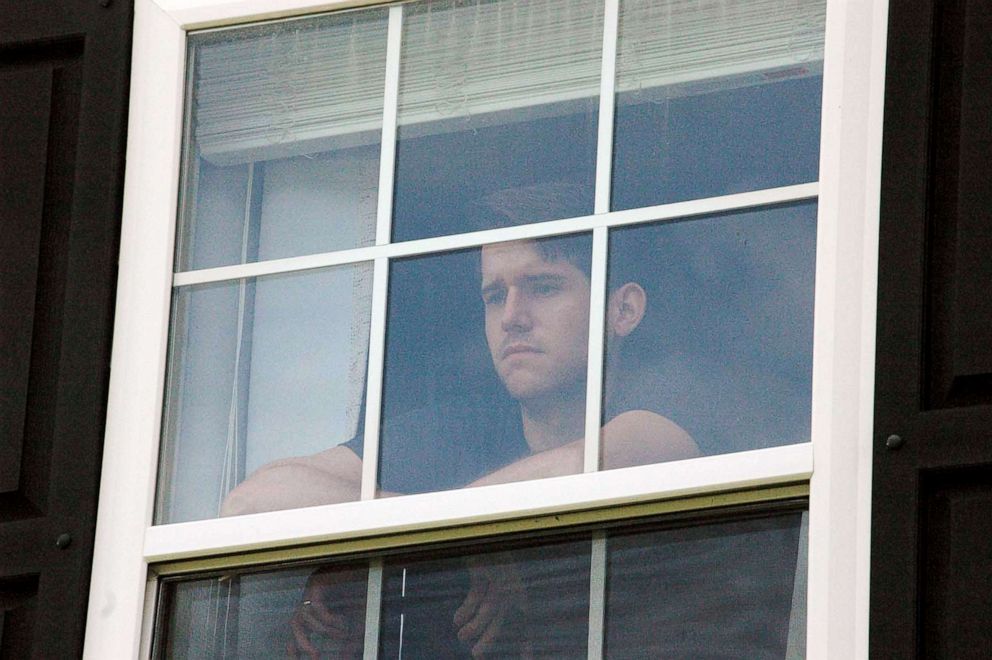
x=626, y=308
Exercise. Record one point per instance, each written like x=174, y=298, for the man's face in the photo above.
x=537, y=320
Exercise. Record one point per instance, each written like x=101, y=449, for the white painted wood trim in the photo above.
x=844, y=329
x=202, y=14
x=387, y=145
x=600, y=239
x=607, y=102
x=134, y=409
x=148, y=617
x=373, y=610
x=374, y=379
x=597, y=595
x=677, y=479
x=380, y=272
x=596, y=351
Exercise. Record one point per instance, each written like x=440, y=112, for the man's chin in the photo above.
x=533, y=389
x=523, y=389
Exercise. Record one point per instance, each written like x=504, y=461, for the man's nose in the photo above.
x=516, y=311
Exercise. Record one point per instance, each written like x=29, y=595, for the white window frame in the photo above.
x=123, y=588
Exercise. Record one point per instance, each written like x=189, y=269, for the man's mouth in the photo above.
x=518, y=348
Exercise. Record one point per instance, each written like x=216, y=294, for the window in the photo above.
x=674, y=587
x=498, y=152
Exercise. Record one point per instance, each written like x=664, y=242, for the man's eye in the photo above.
x=494, y=297
x=544, y=289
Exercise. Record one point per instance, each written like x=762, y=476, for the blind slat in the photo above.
x=299, y=86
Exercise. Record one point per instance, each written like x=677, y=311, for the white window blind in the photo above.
x=303, y=86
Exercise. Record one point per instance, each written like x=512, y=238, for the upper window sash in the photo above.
x=384, y=250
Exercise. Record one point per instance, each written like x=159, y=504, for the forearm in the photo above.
x=294, y=483
x=635, y=437
x=566, y=459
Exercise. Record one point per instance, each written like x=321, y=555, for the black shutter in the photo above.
x=931, y=582
x=63, y=95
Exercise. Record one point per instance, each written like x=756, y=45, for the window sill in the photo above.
x=708, y=476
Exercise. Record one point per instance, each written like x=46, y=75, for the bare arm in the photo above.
x=496, y=598
x=635, y=437
x=334, y=475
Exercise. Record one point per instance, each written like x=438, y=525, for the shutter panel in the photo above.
x=932, y=495
x=63, y=86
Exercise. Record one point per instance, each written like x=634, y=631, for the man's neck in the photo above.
x=550, y=424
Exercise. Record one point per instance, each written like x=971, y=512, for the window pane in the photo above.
x=716, y=98
x=495, y=95
x=283, y=145
x=477, y=384
x=264, y=615
x=723, y=351
x=261, y=369
x=705, y=587
x=714, y=591
x=518, y=601
x=511, y=603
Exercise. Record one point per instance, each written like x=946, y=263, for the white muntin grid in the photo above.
x=380, y=274
x=383, y=251
x=599, y=224
x=127, y=544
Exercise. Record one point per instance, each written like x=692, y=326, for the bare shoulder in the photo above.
x=338, y=460
x=647, y=437
x=647, y=422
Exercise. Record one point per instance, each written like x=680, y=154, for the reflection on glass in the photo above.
x=714, y=591
x=495, y=95
x=728, y=588
x=519, y=603
x=485, y=366
x=716, y=98
x=283, y=145
x=260, y=369
x=725, y=347
x=289, y=613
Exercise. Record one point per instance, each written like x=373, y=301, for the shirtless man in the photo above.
x=536, y=295
x=536, y=298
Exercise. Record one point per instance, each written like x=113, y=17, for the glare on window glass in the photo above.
x=261, y=370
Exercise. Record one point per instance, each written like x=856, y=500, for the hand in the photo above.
x=330, y=621
x=493, y=609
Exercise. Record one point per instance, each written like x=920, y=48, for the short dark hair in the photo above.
x=551, y=200
x=576, y=249
x=546, y=201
